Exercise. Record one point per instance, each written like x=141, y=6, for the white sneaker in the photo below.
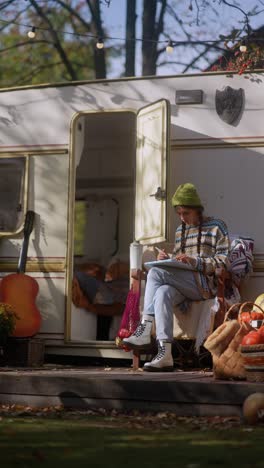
x=142, y=335
x=163, y=361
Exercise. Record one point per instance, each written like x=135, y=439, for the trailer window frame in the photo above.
x=7, y=161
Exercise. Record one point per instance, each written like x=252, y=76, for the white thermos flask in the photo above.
x=136, y=252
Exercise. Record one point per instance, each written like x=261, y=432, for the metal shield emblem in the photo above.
x=229, y=103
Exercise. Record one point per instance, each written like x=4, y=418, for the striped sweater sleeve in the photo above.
x=208, y=264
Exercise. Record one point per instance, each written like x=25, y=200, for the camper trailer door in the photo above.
x=153, y=124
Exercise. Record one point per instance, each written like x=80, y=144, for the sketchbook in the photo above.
x=171, y=263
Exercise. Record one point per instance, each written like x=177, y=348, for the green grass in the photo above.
x=110, y=443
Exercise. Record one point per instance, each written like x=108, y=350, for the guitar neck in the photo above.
x=23, y=256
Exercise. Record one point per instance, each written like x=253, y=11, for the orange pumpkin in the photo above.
x=261, y=332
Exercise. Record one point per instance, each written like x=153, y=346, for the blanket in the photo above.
x=80, y=299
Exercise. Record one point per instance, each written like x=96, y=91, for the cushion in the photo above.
x=116, y=271
x=92, y=269
x=241, y=256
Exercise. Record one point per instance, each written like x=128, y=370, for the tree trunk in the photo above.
x=97, y=29
x=130, y=35
x=148, y=34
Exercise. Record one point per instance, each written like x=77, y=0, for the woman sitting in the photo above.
x=201, y=242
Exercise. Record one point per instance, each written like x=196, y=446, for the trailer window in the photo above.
x=12, y=186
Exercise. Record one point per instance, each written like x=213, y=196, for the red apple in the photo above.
x=123, y=333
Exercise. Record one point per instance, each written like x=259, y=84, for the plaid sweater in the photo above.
x=214, y=250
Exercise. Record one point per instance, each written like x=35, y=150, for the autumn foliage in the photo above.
x=239, y=62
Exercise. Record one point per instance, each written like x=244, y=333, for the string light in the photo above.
x=100, y=43
x=243, y=47
x=31, y=34
x=169, y=47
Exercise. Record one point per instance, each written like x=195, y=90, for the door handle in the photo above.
x=159, y=194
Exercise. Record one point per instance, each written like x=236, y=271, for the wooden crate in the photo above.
x=253, y=360
x=24, y=352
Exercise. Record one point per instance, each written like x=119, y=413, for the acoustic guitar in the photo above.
x=20, y=290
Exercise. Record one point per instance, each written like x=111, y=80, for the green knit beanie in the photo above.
x=186, y=195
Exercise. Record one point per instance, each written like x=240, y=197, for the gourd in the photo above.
x=253, y=408
x=259, y=301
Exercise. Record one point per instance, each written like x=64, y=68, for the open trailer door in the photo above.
x=153, y=126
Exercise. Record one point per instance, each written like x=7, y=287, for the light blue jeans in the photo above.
x=164, y=290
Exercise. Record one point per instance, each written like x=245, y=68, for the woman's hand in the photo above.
x=183, y=258
x=162, y=255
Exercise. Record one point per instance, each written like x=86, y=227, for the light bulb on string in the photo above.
x=243, y=47
x=169, y=48
x=100, y=43
x=32, y=34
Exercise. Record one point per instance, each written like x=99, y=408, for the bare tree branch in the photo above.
x=198, y=12
x=193, y=62
x=19, y=13
x=34, y=72
x=4, y=5
x=178, y=20
x=161, y=64
x=186, y=43
x=160, y=23
x=232, y=5
x=258, y=12
x=74, y=13
x=26, y=43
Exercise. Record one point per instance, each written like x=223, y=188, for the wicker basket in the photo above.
x=224, y=345
x=253, y=356
x=253, y=361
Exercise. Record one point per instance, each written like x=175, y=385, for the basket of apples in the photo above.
x=252, y=346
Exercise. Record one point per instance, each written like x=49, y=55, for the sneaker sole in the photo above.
x=158, y=369
x=137, y=347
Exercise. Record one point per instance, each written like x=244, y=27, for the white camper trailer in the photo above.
x=118, y=149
